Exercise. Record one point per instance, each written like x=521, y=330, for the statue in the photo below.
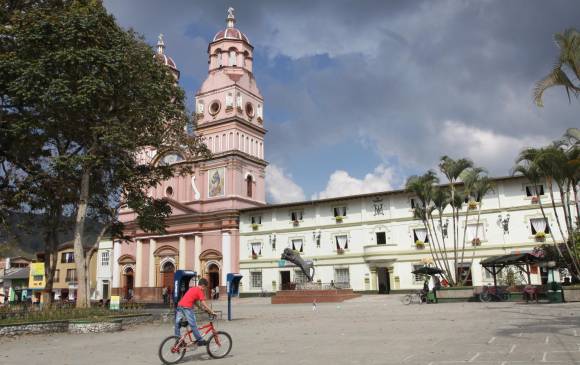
x=196, y=193
x=306, y=266
x=231, y=13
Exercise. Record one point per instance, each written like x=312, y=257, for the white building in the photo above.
x=104, y=271
x=368, y=241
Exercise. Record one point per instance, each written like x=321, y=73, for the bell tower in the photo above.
x=229, y=116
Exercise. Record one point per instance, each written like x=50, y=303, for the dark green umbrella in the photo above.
x=425, y=270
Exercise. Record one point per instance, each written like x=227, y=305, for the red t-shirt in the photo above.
x=193, y=295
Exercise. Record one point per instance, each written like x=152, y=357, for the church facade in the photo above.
x=202, y=233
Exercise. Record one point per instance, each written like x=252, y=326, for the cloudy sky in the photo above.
x=361, y=94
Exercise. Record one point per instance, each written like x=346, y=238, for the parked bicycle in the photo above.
x=173, y=348
x=418, y=298
x=493, y=293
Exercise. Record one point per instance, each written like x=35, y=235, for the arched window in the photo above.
x=233, y=57
x=249, y=181
x=219, y=59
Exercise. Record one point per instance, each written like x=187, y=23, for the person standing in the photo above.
x=164, y=294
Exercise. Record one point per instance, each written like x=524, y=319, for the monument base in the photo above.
x=310, y=296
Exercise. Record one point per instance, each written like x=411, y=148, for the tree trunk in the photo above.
x=564, y=238
x=79, y=252
x=51, y=251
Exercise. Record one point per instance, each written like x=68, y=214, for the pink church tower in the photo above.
x=229, y=115
x=202, y=233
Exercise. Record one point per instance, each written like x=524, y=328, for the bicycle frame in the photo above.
x=497, y=292
x=188, y=339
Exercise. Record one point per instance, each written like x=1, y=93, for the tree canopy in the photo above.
x=81, y=100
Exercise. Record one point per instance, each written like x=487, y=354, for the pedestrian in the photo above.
x=164, y=292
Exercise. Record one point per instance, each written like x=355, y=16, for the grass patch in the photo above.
x=30, y=314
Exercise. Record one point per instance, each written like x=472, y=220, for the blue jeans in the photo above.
x=189, y=314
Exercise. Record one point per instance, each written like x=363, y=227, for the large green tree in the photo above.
x=86, y=99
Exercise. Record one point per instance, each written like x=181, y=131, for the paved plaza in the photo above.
x=367, y=330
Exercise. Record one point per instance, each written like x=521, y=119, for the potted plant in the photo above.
x=295, y=223
x=476, y=241
x=338, y=218
x=254, y=256
x=420, y=244
x=540, y=236
x=255, y=226
x=535, y=200
x=472, y=204
x=340, y=251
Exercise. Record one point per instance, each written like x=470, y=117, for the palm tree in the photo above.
x=481, y=187
x=423, y=187
x=567, y=63
x=557, y=166
x=453, y=169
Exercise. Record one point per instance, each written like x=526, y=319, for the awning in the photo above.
x=512, y=259
x=20, y=273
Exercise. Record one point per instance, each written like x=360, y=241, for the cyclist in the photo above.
x=195, y=295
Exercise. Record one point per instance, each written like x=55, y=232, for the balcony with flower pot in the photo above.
x=296, y=223
x=254, y=256
x=419, y=245
x=535, y=200
x=472, y=205
x=255, y=226
x=540, y=236
x=338, y=218
x=476, y=242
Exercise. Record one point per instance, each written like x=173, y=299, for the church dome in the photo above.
x=230, y=32
x=162, y=57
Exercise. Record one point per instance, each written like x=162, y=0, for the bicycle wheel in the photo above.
x=168, y=353
x=407, y=299
x=485, y=297
x=219, y=345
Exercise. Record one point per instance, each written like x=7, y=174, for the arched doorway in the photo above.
x=128, y=282
x=167, y=275
x=213, y=272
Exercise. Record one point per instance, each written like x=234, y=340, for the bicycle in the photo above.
x=490, y=293
x=173, y=348
x=418, y=297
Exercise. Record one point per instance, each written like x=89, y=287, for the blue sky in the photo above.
x=361, y=94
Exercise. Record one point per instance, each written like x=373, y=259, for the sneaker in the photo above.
x=201, y=343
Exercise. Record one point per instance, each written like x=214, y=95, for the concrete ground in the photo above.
x=366, y=330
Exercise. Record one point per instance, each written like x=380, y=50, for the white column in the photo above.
x=115, y=263
x=152, y=248
x=182, y=253
x=197, y=252
x=139, y=264
x=227, y=255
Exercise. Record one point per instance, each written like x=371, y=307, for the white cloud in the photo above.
x=341, y=183
x=485, y=147
x=280, y=187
